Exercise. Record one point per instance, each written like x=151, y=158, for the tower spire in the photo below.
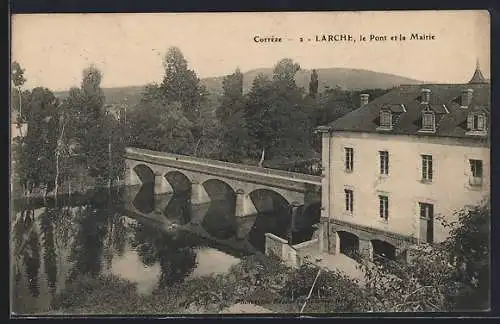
x=477, y=77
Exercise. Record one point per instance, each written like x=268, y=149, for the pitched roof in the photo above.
x=451, y=119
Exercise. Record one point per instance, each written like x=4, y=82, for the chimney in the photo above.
x=425, y=95
x=364, y=99
x=466, y=97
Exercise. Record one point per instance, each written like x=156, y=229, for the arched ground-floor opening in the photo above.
x=348, y=243
x=383, y=250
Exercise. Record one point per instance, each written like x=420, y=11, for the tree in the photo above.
x=469, y=248
x=159, y=124
x=285, y=70
x=313, y=84
x=181, y=84
x=35, y=156
x=276, y=116
x=259, y=114
x=232, y=96
x=236, y=141
x=18, y=81
x=448, y=276
x=93, y=134
x=207, y=129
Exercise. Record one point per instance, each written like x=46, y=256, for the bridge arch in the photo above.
x=266, y=200
x=145, y=173
x=383, y=249
x=304, y=222
x=178, y=181
x=219, y=190
x=274, y=216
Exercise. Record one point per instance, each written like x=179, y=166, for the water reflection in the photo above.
x=178, y=208
x=217, y=218
x=54, y=245
x=174, y=253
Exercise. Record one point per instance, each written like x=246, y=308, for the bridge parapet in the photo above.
x=306, y=178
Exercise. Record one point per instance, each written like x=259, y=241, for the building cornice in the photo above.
x=443, y=140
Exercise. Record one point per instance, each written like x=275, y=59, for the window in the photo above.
x=428, y=121
x=349, y=157
x=385, y=119
x=348, y=200
x=427, y=167
x=476, y=167
x=384, y=162
x=476, y=122
x=383, y=207
x=426, y=222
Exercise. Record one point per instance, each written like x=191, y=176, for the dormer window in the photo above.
x=476, y=122
x=385, y=119
x=428, y=121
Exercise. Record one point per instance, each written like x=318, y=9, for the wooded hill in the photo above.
x=348, y=79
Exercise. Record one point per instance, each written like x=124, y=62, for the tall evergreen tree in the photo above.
x=313, y=84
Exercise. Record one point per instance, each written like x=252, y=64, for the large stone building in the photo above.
x=394, y=166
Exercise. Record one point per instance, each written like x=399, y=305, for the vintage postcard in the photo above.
x=244, y=163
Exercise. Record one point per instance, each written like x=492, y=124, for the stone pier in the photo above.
x=199, y=195
x=131, y=178
x=162, y=186
x=244, y=204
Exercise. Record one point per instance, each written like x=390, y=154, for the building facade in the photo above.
x=397, y=166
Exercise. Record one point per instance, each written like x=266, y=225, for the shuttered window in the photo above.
x=349, y=159
x=349, y=197
x=476, y=122
x=383, y=207
x=384, y=162
x=427, y=171
x=385, y=119
x=428, y=121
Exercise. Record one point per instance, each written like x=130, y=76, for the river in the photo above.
x=152, y=241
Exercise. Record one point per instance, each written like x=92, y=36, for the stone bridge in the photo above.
x=255, y=189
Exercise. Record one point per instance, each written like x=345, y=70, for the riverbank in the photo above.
x=76, y=196
x=262, y=281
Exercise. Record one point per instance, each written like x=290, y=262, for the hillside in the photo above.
x=350, y=79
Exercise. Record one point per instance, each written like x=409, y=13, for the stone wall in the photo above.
x=291, y=255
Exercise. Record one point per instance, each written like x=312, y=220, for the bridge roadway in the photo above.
x=296, y=189
x=220, y=168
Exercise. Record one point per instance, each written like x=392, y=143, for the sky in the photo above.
x=129, y=48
